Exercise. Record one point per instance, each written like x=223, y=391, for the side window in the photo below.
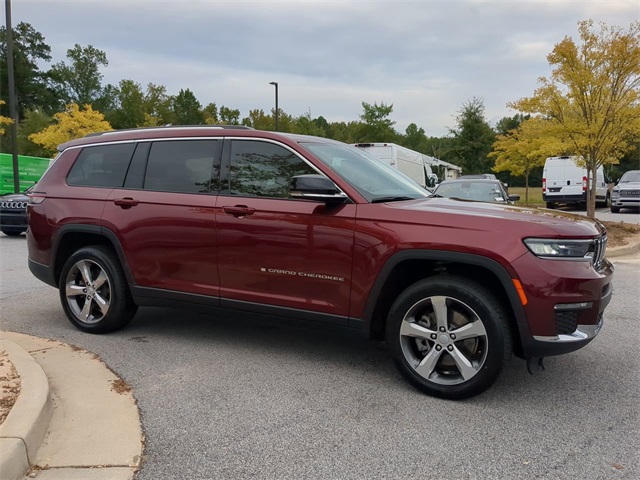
x=186, y=166
x=101, y=166
x=262, y=169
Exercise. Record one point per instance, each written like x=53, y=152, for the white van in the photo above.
x=408, y=161
x=563, y=181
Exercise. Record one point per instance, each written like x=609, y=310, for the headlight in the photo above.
x=545, y=247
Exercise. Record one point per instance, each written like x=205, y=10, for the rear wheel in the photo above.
x=449, y=336
x=94, y=291
x=551, y=205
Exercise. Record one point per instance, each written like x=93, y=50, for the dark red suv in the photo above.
x=296, y=226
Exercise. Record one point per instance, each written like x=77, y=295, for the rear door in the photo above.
x=164, y=215
x=278, y=251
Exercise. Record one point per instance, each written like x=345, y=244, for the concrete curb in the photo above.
x=23, y=430
x=628, y=249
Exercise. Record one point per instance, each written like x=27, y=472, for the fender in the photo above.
x=445, y=256
x=95, y=230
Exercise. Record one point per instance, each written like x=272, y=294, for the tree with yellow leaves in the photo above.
x=525, y=148
x=4, y=120
x=70, y=124
x=592, y=98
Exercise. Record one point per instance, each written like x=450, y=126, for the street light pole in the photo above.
x=275, y=84
x=12, y=98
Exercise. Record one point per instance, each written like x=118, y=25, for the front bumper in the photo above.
x=566, y=303
x=14, y=219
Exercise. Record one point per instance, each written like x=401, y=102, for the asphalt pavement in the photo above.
x=240, y=397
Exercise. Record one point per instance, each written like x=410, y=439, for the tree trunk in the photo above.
x=591, y=193
x=526, y=189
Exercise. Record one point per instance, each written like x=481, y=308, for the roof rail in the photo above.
x=231, y=127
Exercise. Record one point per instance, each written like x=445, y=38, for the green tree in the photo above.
x=80, y=81
x=210, y=114
x=506, y=124
x=187, y=109
x=129, y=111
x=33, y=121
x=258, y=120
x=157, y=106
x=414, y=138
x=592, y=96
x=229, y=116
x=376, y=125
x=32, y=85
x=305, y=125
x=472, y=139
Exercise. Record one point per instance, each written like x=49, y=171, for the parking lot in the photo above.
x=242, y=397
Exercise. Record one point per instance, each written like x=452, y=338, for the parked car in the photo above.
x=13, y=213
x=210, y=218
x=480, y=190
x=626, y=193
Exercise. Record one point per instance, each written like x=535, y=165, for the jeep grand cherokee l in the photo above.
x=297, y=226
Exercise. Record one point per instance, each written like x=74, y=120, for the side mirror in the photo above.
x=317, y=188
x=514, y=198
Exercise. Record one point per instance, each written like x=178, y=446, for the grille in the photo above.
x=13, y=205
x=630, y=193
x=599, y=249
x=566, y=322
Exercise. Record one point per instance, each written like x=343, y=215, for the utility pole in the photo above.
x=13, y=111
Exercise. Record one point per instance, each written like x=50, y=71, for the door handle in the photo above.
x=126, y=202
x=239, y=210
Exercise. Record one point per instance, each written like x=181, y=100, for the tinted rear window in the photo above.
x=101, y=166
x=185, y=166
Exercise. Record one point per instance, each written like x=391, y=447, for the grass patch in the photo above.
x=535, y=195
x=620, y=233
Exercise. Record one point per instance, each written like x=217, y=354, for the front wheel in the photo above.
x=94, y=291
x=615, y=209
x=449, y=336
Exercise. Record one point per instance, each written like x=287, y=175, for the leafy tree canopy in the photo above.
x=593, y=95
x=70, y=124
x=472, y=139
x=80, y=80
x=29, y=50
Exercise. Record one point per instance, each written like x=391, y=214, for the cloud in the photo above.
x=425, y=57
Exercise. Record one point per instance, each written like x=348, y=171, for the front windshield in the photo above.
x=633, y=176
x=370, y=176
x=481, y=192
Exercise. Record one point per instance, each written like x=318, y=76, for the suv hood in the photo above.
x=529, y=221
x=628, y=186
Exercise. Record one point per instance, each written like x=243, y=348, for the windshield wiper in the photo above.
x=391, y=199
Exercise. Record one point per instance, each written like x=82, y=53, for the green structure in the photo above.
x=30, y=169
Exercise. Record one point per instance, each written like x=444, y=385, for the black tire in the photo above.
x=12, y=233
x=412, y=340
x=110, y=304
x=615, y=209
x=606, y=203
x=551, y=205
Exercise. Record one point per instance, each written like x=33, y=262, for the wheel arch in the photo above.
x=407, y=267
x=72, y=237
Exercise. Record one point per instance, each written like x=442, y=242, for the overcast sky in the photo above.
x=427, y=58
